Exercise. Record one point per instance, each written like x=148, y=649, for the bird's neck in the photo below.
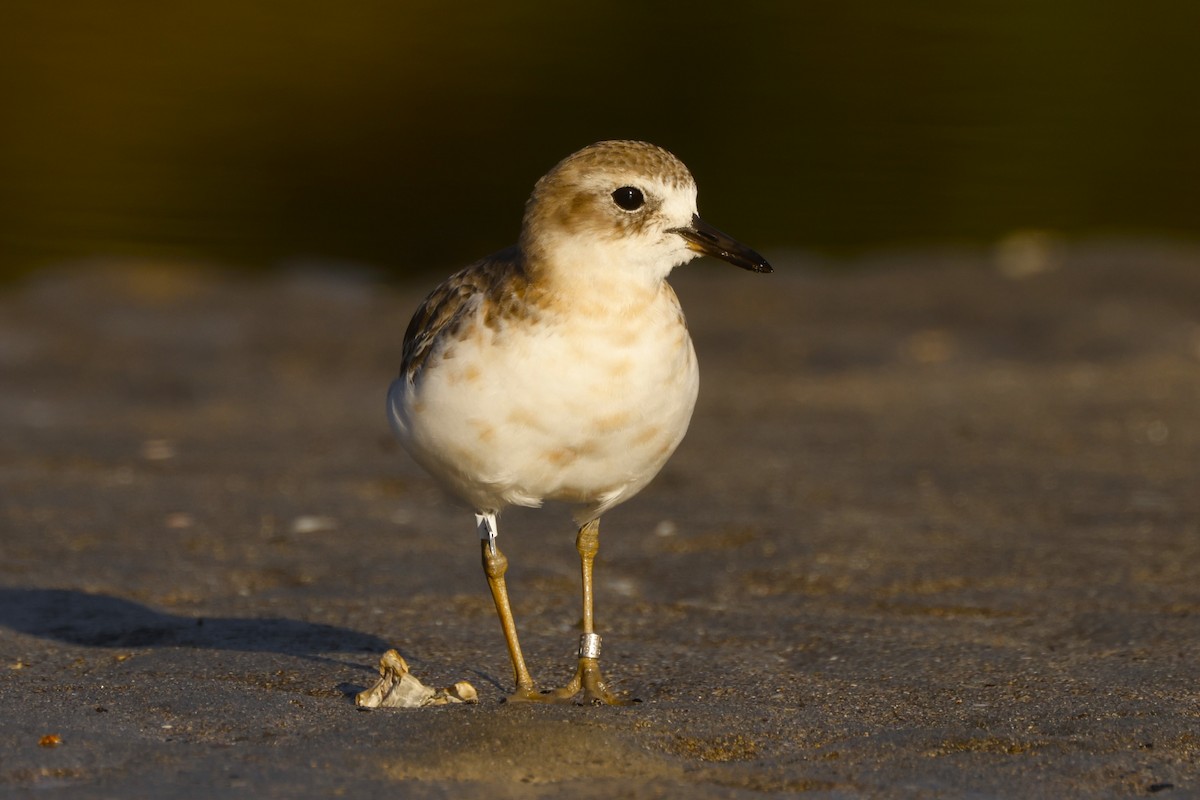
x=598, y=288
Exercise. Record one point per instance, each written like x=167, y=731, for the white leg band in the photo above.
x=486, y=523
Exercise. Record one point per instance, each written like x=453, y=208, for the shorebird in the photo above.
x=561, y=368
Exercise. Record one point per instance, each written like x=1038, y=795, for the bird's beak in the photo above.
x=704, y=238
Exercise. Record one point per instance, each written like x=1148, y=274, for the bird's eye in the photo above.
x=629, y=198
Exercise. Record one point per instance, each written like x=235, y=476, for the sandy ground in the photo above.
x=935, y=533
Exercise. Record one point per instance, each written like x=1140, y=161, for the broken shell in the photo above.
x=399, y=688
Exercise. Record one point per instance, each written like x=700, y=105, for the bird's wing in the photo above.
x=451, y=304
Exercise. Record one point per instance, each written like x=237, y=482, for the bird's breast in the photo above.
x=586, y=404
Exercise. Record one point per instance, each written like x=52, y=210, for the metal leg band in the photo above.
x=589, y=645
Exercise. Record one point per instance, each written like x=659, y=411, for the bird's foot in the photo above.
x=588, y=687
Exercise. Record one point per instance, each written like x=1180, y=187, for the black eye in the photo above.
x=629, y=198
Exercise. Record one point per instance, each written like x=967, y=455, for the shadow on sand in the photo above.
x=97, y=620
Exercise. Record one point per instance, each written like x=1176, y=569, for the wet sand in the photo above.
x=935, y=532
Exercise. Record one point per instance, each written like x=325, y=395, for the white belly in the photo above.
x=583, y=408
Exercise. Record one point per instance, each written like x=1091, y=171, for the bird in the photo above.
x=561, y=368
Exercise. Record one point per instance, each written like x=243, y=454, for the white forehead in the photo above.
x=678, y=200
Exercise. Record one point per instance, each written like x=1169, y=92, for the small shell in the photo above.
x=399, y=688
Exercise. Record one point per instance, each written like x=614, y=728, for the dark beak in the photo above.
x=704, y=238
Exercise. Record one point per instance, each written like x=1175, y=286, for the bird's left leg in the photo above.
x=587, y=675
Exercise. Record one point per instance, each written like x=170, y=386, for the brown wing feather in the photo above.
x=451, y=304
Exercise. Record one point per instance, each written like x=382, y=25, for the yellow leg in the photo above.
x=588, y=679
x=587, y=675
x=494, y=566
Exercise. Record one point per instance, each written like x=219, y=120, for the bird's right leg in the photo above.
x=494, y=566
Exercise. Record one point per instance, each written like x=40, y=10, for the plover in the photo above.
x=561, y=369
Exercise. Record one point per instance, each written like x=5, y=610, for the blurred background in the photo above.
x=405, y=135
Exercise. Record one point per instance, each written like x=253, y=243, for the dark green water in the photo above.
x=407, y=134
